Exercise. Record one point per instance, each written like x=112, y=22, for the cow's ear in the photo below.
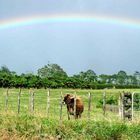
x=68, y=95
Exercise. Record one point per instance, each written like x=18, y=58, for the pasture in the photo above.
x=44, y=124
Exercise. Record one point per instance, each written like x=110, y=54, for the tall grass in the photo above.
x=37, y=126
x=30, y=127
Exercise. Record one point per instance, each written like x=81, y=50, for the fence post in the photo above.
x=19, y=93
x=104, y=103
x=119, y=105
x=29, y=107
x=48, y=103
x=139, y=104
x=6, y=102
x=61, y=106
x=31, y=101
x=89, y=105
x=122, y=106
x=133, y=106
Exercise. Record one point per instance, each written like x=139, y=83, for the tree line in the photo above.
x=53, y=76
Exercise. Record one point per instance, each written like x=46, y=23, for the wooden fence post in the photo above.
x=61, y=106
x=6, y=101
x=139, y=104
x=48, y=103
x=19, y=93
x=104, y=103
x=29, y=107
x=89, y=105
x=31, y=101
x=120, y=105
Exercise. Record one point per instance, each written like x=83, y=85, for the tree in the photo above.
x=137, y=76
x=6, y=76
x=52, y=71
x=4, y=69
x=73, y=82
x=132, y=80
x=121, y=77
x=89, y=76
x=103, y=78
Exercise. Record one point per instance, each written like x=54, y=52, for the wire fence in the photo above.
x=49, y=103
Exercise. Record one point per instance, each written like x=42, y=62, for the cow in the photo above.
x=69, y=101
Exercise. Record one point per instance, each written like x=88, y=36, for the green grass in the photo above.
x=31, y=127
x=37, y=125
x=41, y=102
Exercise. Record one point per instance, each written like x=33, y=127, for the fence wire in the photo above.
x=38, y=104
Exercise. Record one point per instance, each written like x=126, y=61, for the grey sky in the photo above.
x=74, y=46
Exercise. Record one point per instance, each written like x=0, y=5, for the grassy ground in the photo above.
x=38, y=126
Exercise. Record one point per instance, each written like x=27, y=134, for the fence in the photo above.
x=49, y=103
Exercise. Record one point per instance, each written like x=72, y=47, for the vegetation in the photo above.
x=53, y=76
x=38, y=125
x=30, y=127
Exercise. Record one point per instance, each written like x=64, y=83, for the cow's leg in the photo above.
x=76, y=116
x=68, y=115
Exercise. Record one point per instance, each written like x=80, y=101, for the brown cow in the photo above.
x=69, y=101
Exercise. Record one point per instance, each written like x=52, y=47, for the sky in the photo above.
x=103, y=45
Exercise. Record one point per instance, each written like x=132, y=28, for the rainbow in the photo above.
x=35, y=20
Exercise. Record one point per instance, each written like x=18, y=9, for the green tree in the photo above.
x=103, y=78
x=122, y=77
x=137, y=77
x=4, y=69
x=89, y=76
x=52, y=71
x=132, y=80
x=73, y=82
x=6, y=76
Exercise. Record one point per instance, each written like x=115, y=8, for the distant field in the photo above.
x=37, y=125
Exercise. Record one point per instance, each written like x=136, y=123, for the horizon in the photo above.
x=35, y=72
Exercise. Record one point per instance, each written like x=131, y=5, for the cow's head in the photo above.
x=68, y=99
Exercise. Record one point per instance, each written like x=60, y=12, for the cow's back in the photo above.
x=79, y=105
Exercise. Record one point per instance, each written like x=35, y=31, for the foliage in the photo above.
x=53, y=76
x=110, y=100
x=52, y=71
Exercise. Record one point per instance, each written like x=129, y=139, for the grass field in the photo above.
x=38, y=125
